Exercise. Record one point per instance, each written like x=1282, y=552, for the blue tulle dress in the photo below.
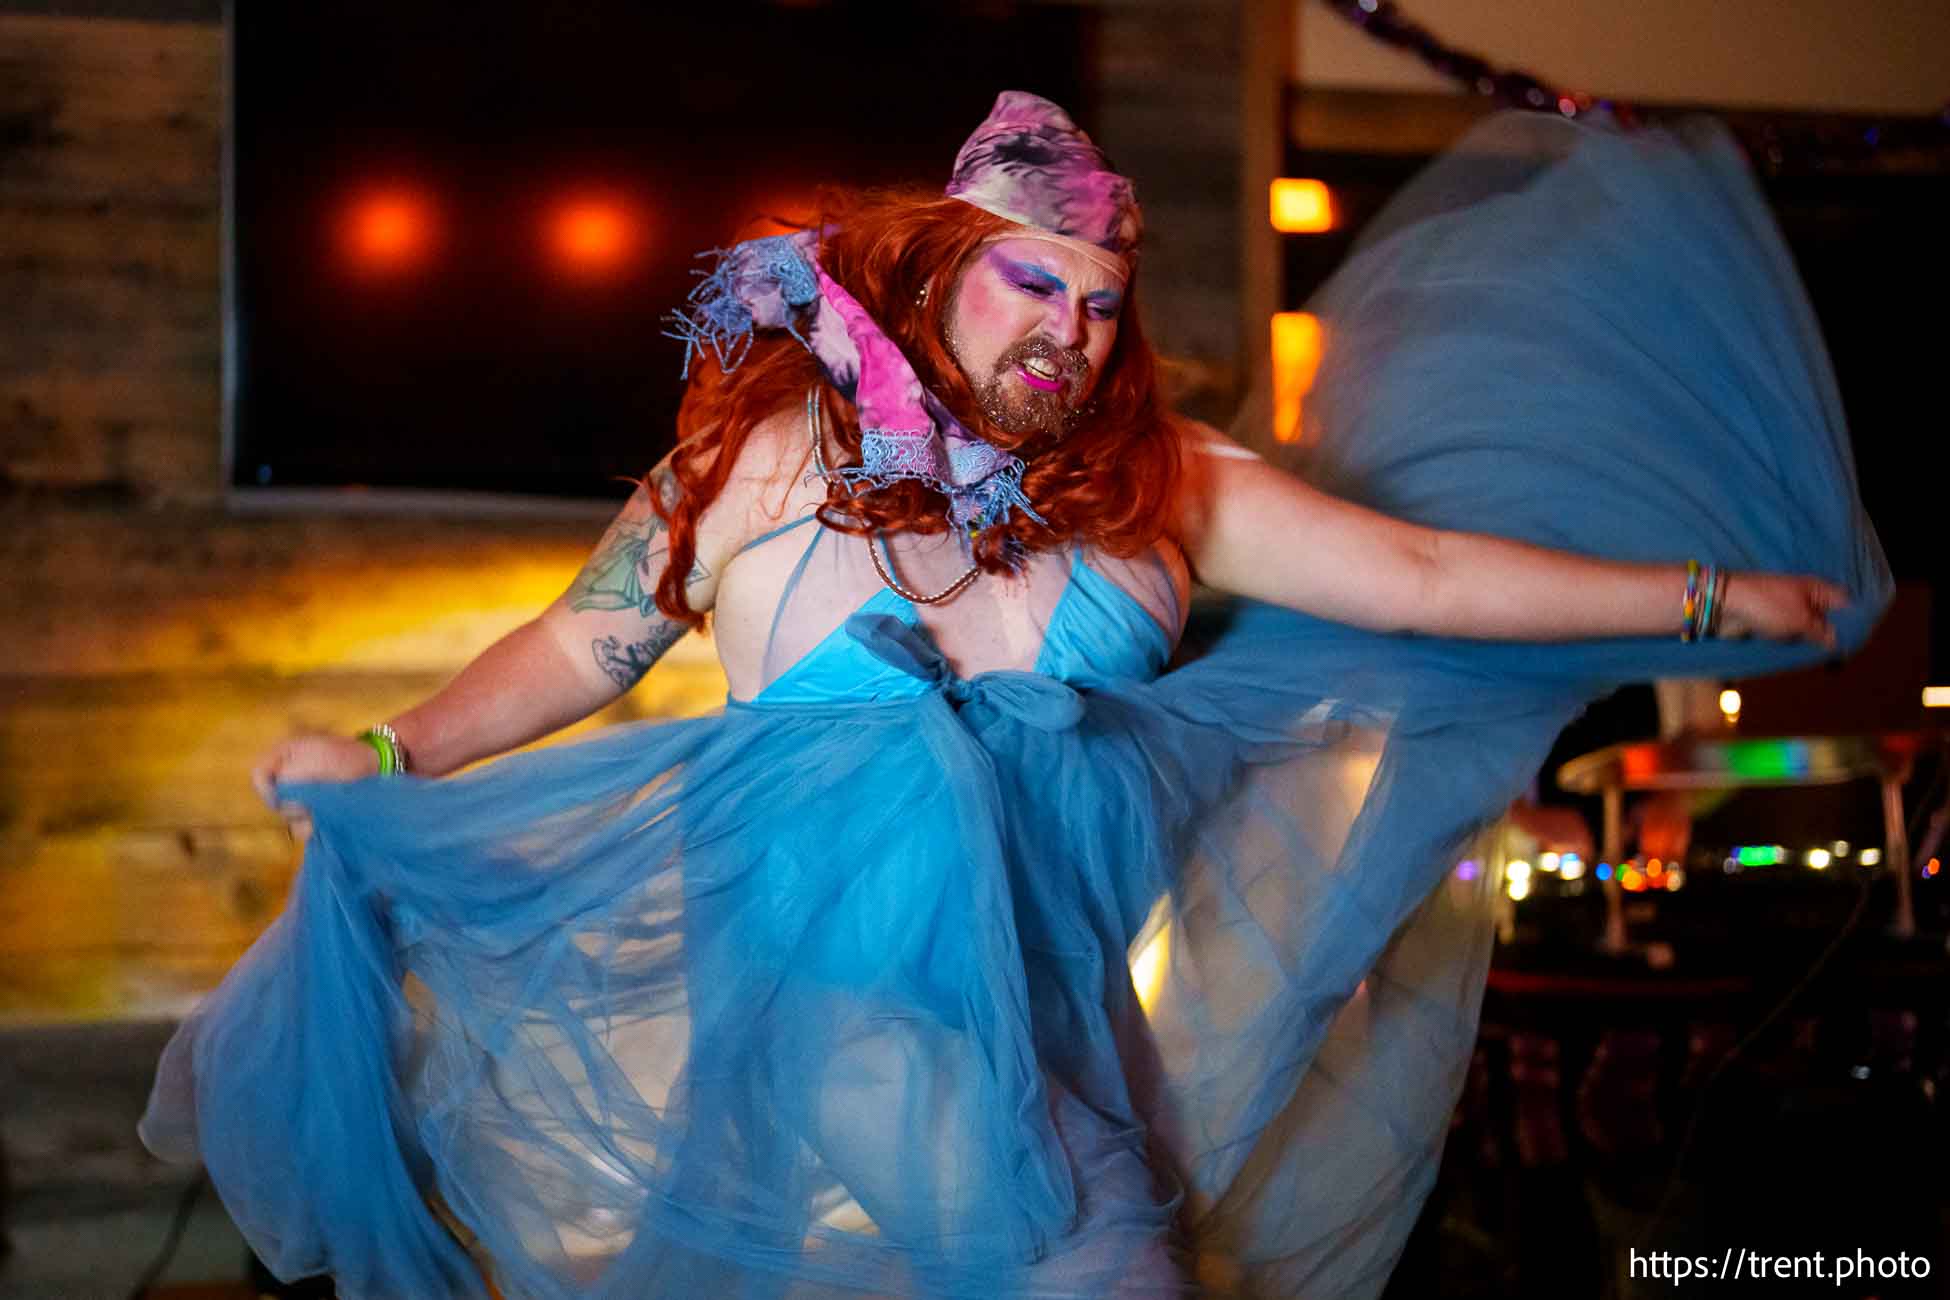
x=831, y=993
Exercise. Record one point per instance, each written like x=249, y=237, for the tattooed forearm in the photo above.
x=626, y=664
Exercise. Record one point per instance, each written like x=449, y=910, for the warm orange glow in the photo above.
x=1296, y=358
x=136, y=909
x=390, y=230
x=1302, y=207
x=779, y=214
x=1632, y=879
x=1148, y=967
x=594, y=235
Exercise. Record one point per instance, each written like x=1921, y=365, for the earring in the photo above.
x=921, y=298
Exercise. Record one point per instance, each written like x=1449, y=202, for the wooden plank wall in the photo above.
x=1170, y=113
x=109, y=151
x=151, y=641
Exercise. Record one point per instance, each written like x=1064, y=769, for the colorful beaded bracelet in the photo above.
x=1699, y=611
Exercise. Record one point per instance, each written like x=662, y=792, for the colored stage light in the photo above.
x=1296, y=359
x=1768, y=759
x=389, y=230
x=594, y=236
x=1730, y=705
x=1301, y=207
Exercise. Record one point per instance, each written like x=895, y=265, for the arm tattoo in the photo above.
x=623, y=572
x=626, y=664
x=619, y=574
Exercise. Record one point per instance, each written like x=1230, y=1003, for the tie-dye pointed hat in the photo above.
x=1029, y=163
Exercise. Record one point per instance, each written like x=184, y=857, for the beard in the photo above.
x=1014, y=407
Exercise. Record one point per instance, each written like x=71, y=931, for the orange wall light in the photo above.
x=1302, y=207
x=1296, y=358
x=389, y=230
x=592, y=236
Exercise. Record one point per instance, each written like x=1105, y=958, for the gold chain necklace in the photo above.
x=813, y=427
x=873, y=552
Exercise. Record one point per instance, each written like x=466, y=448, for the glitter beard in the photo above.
x=1016, y=408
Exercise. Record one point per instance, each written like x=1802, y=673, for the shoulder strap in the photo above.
x=809, y=517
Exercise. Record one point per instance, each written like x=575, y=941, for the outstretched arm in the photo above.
x=594, y=642
x=1257, y=531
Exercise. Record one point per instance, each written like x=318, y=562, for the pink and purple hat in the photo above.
x=1029, y=163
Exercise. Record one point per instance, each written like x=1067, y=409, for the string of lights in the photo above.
x=1777, y=142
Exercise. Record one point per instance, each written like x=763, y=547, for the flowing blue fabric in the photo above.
x=830, y=993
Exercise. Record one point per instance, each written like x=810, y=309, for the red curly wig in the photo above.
x=1108, y=481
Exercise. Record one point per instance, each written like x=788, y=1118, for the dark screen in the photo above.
x=457, y=228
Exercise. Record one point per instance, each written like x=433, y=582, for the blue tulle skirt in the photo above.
x=838, y=998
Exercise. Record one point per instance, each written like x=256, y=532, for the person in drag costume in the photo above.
x=831, y=993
